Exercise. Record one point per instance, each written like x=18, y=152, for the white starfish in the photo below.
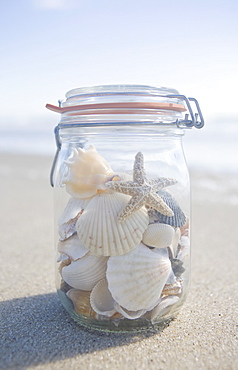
x=142, y=190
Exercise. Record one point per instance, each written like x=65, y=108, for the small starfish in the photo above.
x=142, y=190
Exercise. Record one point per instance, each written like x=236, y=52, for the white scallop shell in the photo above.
x=136, y=279
x=158, y=235
x=163, y=307
x=101, y=299
x=88, y=172
x=101, y=232
x=73, y=248
x=86, y=272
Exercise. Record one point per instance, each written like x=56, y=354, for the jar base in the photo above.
x=117, y=325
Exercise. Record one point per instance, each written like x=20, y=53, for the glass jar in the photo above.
x=122, y=205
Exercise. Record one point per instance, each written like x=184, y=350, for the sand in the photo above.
x=36, y=331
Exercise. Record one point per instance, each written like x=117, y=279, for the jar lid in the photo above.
x=128, y=100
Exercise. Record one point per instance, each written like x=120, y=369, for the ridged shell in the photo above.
x=101, y=232
x=172, y=289
x=88, y=172
x=158, y=235
x=179, y=218
x=137, y=278
x=163, y=307
x=101, y=299
x=73, y=248
x=86, y=272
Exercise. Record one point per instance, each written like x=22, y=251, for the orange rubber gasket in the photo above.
x=117, y=108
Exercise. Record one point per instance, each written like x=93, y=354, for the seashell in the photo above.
x=175, y=242
x=185, y=228
x=179, y=218
x=172, y=289
x=72, y=209
x=158, y=235
x=73, y=248
x=136, y=279
x=86, y=272
x=88, y=172
x=69, y=217
x=81, y=301
x=101, y=299
x=172, y=278
x=184, y=248
x=101, y=232
x=163, y=307
x=65, y=261
x=177, y=267
x=131, y=315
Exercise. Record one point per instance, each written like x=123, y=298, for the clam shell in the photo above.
x=86, y=272
x=136, y=279
x=88, y=172
x=158, y=235
x=163, y=307
x=101, y=299
x=73, y=248
x=101, y=232
x=179, y=218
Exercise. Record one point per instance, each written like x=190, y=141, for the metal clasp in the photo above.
x=191, y=119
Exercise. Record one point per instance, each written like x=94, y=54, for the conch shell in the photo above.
x=88, y=172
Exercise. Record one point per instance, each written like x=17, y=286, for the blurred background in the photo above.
x=51, y=46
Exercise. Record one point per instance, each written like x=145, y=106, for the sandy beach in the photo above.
x=36, y=331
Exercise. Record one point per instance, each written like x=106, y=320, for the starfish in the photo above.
x=142, y=190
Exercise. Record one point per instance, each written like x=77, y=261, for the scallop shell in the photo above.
x=86, y=272
x=137, y=278
x=179, y=218
x=101, y=232
x=101, y=299
x=88, y=172
x=163, y=307
x=73, y=248
x=158, y=235
x=81, y=301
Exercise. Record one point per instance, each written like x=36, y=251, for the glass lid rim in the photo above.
x=120, y=89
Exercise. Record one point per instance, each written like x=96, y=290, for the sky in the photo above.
x=49, y=47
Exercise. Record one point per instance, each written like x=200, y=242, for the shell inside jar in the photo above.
x=113, y=269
